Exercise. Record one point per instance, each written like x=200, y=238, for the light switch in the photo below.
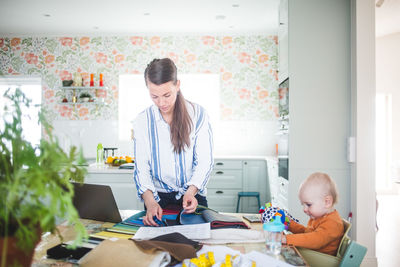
x=351, y=149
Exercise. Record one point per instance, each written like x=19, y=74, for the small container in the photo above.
x=273, y=232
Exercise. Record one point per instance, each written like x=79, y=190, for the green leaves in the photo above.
x=35, y=186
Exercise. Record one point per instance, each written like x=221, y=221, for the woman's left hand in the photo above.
x=189, y=201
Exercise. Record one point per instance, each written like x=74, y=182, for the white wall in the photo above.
x=388, y=81
x=363, y=125
x=233, y=138
x=319, y=73
x=332, y=78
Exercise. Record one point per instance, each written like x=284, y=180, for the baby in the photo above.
x=325, y=228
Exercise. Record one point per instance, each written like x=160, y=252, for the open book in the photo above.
x=202, y=215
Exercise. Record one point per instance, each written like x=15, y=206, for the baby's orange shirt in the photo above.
x=322, y=234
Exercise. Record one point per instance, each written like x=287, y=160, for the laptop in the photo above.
x=96, y=202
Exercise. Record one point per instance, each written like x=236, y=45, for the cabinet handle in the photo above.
x=219, y=172
x=219, y=192
x=219, y=163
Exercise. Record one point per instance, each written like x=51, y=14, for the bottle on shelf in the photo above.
x=91, y=79
x=101, y=80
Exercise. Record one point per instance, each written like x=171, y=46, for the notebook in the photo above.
x=96, y=202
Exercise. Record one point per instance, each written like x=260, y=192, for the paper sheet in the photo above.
x=191, y=231
x=226, y=236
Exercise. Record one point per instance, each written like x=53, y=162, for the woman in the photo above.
x=172, y=146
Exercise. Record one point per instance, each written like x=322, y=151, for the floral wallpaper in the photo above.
x=247, y=66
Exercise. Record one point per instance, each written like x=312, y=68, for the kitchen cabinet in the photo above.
x=121, y=183
x=283, y=42
x=228, y=177
x=278, y=185
x=231, y=176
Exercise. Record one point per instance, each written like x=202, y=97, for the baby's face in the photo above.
x=313, y=201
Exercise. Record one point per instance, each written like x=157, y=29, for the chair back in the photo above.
x=345, y=239
x=353, y=255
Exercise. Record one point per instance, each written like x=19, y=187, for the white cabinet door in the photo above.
x=272, y=166
x=255, y=179
x=223, y=200
x=225, y=182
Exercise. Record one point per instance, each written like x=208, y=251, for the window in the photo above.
x=202, y=89
x=31, y=87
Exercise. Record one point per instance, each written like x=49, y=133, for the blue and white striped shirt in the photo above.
x=158, y=168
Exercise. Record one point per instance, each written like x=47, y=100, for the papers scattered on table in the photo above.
x=191, y=231
x=226, y=236
x=263, y=259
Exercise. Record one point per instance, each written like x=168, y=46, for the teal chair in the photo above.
x=349, y=254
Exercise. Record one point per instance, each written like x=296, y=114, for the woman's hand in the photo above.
x=153, y=209
x=189, y=202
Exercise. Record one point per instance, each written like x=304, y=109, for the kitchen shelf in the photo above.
x=83, y=87
x=73, y=92
x=83, y=103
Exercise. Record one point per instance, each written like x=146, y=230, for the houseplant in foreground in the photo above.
x=35, y=186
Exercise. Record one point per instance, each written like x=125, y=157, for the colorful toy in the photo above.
x=270, y=213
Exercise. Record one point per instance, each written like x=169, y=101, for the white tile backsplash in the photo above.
x=234, y=138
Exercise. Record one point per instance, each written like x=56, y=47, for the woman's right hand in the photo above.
x=153, y=209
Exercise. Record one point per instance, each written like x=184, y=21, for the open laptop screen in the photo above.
x=96, y=202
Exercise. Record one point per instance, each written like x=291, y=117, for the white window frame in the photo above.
x=25, y=83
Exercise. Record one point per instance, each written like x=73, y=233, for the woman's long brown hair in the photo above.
x=160, y=71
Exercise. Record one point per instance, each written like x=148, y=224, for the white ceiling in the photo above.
x=125, y=17
x=387, y=17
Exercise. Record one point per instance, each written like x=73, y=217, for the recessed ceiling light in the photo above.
x=235, y=5
x=147, y=14
x=220, y=17
x=46, y=15
x=231, y=27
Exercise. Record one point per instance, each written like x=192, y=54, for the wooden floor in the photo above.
x=388, y=235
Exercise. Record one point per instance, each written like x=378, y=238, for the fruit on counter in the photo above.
x=109, y=160
x=117, y=161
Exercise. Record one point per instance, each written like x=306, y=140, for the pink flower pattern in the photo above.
x=228, y=56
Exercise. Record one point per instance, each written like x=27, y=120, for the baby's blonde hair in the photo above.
x=325, y=182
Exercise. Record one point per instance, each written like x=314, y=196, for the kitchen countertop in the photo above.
x=245, y=157
x=106, y=168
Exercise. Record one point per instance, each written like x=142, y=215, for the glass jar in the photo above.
x=273, y=232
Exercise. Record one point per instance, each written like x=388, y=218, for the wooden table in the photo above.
x=68, y=234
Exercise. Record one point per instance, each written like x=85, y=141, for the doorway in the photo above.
x=387, y=132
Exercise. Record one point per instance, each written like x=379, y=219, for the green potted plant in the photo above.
x=85, y=97
x=35, y=186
